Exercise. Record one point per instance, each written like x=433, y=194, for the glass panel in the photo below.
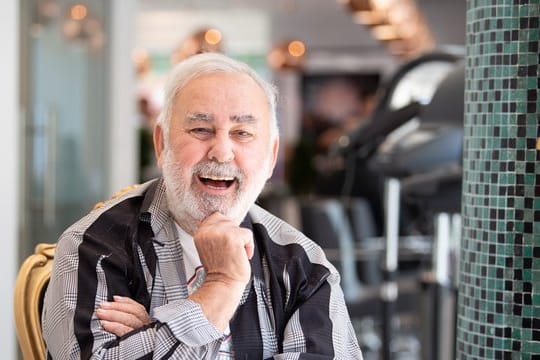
x=65, y=134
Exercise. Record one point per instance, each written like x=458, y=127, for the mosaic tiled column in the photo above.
x=499, y=291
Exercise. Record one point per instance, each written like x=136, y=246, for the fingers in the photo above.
x=119, y=317
x=122, y=315
x=129, y=305
x=225, y=225
x=115, y=328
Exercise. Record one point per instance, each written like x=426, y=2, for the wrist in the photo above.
x=219, y=299
x=222, y=282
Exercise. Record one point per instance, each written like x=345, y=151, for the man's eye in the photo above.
x=242, y=134
x=201, y=132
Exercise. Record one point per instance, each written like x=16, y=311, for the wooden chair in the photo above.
x=30, y=286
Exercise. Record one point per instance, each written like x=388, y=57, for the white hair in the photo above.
x=207, y=63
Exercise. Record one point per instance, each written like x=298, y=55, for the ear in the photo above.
x=275, y=151
x=159, y=145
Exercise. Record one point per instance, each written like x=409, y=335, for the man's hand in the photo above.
x=224, y=249
x=122, y=315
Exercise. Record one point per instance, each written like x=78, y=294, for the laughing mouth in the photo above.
x=217, y=182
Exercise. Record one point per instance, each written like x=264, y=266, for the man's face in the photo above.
x=219, y=153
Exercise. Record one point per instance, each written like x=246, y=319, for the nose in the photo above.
x=221, y=150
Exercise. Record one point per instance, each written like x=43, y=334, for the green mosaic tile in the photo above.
x=499, y=300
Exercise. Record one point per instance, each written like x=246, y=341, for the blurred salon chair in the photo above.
x=325, y=221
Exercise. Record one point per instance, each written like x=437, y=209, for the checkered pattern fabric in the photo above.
x=293, y=307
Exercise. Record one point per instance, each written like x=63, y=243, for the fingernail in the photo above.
x=117, y=297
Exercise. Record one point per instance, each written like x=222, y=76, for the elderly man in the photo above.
x=187, y=266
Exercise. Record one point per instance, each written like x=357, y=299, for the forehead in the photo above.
x=219, y=85
x=221, y=95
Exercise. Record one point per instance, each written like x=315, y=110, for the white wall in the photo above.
x=9, y=148
x=161, y=31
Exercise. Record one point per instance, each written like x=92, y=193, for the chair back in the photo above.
x=30, y=287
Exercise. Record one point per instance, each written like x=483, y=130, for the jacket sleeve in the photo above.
x=320, y=327
x=88, y=273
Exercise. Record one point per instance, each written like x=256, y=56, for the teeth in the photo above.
x=218, y=178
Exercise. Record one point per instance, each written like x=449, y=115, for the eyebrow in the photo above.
x=239, y=119
x=194, y=117
x=243, y=119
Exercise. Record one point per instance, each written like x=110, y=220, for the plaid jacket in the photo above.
x=293, y=307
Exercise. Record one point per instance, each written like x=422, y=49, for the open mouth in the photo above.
x=217, y=182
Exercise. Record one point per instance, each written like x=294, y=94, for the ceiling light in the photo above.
x=296, y=48
x=78, y=12
x=212, y=36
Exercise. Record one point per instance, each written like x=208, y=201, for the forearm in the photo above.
x=187, y=323
x=178, y=329
x=155, y=342
x=72, y=328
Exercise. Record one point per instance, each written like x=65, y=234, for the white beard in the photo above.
x=190, y=206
